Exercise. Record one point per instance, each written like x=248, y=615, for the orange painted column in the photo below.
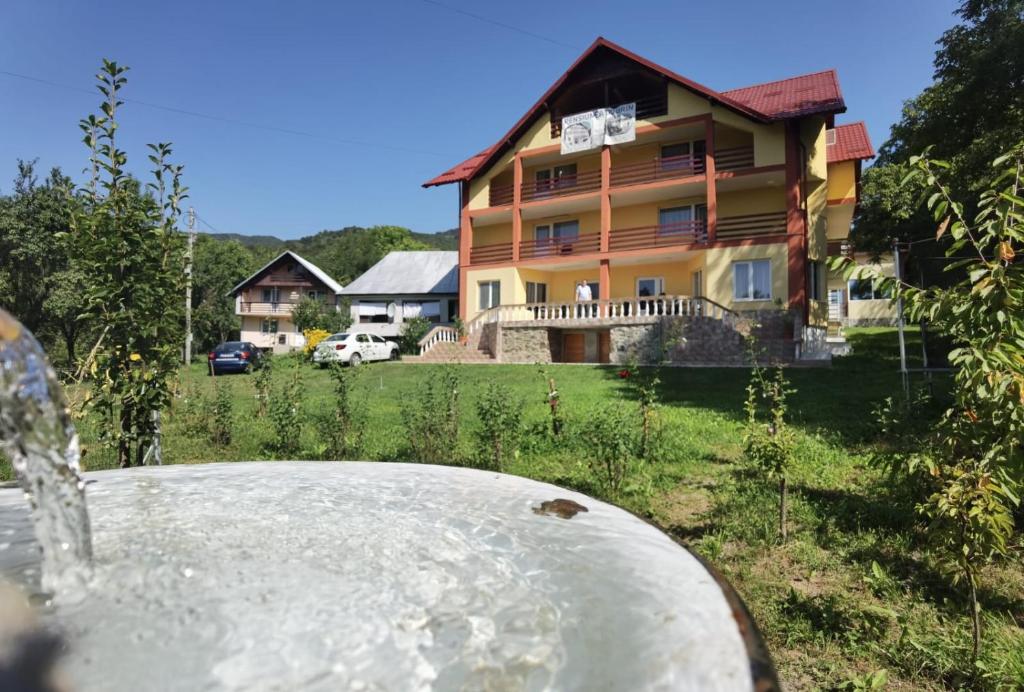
x=465, y=249
x=606, y=199
x=796, y=226
x=709, y=174
x=604, y=285
x=517, y=200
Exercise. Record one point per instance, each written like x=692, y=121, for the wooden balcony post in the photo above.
x=517, y=200
x=606, y=198
x=465, y=249
x=709, y=174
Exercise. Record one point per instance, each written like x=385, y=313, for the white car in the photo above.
x=354, y=348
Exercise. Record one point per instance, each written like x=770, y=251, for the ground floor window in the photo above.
x=536, y=292
x=268, y=326
x=865, y=289
x=815, y=278
x=429, y=310
x=370, y=312
x=752, y=280
x=490, y=294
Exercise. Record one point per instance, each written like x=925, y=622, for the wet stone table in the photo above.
x=379, y=576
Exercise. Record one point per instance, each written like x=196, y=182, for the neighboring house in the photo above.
x=265, y=300
x=710, y=203
x=404, y=285
x=851, y=302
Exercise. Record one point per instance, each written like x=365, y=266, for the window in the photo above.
x=363, y=338
x=490, y=294
x=752, y=280
x=814, y=280
x=315, y=295
x=650, y=286
x=268, y=326
x=271, y=295
x=548, y=236
x=864, y=289
x=429, y=310
x=372, y=311
x=536, y=292
x=698, y=284
x=377, y=339
x=678, y=156
x=555, y=178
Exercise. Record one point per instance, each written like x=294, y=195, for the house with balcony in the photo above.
x=699, y=216
x=265, y=300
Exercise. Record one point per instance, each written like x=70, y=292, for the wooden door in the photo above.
x=573, y=348
x=604, y=346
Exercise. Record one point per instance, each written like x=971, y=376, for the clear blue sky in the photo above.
x=420, y=85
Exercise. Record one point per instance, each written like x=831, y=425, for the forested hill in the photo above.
x=345, y=253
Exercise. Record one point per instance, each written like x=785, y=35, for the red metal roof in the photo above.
x=793, y=97
x=788, y=98
x=851, y=143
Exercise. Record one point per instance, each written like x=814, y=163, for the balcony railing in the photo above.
x=639, y=237
x=750, y=225
x=259, y=308
x=658, y=169
x=500, y=195
x=496, y=252
x=561, y=186
x=734, y=159
x=560, y=247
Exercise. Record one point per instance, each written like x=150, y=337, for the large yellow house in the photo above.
x=629, y=197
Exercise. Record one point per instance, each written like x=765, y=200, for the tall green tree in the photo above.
x=218, y=267
x=132, y=257
x=974, y=106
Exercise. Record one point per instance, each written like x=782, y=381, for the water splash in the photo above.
x=37, y=434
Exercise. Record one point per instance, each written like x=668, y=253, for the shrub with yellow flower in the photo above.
x=313, y=337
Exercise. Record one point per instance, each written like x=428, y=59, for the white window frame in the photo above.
x=750, y=280
x=876, y=293
x=658, y=280
x=535, y=285
x=269, y=325
x=491, y=284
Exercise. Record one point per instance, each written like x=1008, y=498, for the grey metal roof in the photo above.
x=409, y=272
x=313, y=269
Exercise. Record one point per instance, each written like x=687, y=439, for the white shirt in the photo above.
x=583, y=292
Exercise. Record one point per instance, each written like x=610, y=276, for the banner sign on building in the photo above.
x=593, y=129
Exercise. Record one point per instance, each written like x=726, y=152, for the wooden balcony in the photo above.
x=734, y=159
x=667, y=168
x=560, y=247
x=486, y=254
x=259, y=308
x=535, y=190
x=500, y=195
x=642, y=237
x=751, y=225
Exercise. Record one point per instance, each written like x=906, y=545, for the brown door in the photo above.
x=573, y=348
x=604, y=347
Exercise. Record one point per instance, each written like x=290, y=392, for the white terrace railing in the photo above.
x=437, y=335
x=597, y=311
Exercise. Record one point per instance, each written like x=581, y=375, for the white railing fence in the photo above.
x=437, y=335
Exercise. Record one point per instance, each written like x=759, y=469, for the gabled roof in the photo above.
x=851, y=143
x=794, y=97
x=410, y=272
x=312, y=268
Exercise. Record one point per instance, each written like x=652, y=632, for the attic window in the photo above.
x=830, y=137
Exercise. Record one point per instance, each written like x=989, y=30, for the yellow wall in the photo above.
x=842, y=180
x=755, y=201
x=812, y=135
x=512, y=289
x=678, y=276
x=840, y=217
x=718, y=274
x=817, y=220
x=866, y=309
x=488, y=235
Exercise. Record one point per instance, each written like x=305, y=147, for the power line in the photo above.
x=503, y=25
x=231, y=121
x=206, y=223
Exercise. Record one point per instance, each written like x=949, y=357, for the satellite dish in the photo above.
x=392, y=310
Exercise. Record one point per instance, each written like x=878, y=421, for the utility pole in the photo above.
x=904, y=375
x=188, y=284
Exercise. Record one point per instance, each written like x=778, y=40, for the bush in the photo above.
x=610, y=446
x=500, y=427
x=432, y=418
x=223, y=412
x=285, y=417
x=769, y=445
x=340, y=429
x=413, y=330
x=261, y=382
x=313, y=337
x=313, y=313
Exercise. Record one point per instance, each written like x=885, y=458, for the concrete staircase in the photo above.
x=448, y=352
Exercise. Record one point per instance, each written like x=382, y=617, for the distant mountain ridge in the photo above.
x=442, y=240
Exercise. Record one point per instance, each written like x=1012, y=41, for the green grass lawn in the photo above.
x=852, y=592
